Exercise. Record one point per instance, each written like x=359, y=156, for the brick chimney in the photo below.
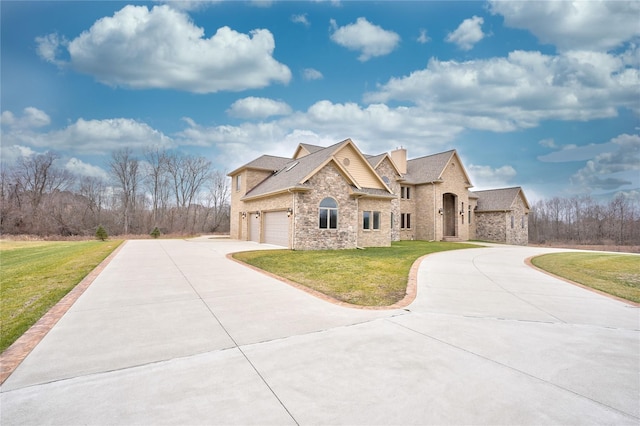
x=399, y=157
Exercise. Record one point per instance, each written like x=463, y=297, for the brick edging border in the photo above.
x=410, y=293
x=528, y=262
x=11, y=358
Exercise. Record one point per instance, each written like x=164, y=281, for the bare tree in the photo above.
x=124, y=168
x=188, y=174
x=218, y=200
x=157, y=180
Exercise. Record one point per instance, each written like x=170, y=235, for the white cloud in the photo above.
x=548, y=143
x=485, y=177
x=423, y=38
x=162, y=48
x=312, y=74
x=468, y=33
x=90, y=136
x=31, y=118
x=300, y=19
x=189, y=5
x=81, y=168
x=520, y=90
x=610, y=170
x=371, y=40
x=253, y=107
x=580, y=25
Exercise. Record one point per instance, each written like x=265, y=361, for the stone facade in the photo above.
x=440, y=205
x=328, y=182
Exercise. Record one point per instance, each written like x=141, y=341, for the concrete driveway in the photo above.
x=172, y=332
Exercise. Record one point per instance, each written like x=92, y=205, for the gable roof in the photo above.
x=295, y=172
x=306, y=149
x=428, y=169
x=264, y=162
x=501, y=199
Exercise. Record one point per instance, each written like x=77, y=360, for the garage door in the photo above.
x=254, y=228
x=276, y=228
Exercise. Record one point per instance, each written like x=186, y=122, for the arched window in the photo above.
x=328, y=217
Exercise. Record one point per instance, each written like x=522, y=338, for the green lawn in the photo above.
x=36, y=275
x=616, y=274
x=372, y=277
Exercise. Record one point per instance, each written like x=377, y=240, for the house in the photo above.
x=502, y=215
x=336, y=197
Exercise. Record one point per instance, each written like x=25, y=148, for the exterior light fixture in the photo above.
x=244, y=215
x=257, y=215
x=440, y=210
x=289, y=212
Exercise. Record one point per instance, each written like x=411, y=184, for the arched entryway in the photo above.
x=449, y=203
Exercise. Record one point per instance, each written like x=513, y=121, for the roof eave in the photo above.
x=296, y=188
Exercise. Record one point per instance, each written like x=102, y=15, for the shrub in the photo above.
x=101, y=233
x=155, y=233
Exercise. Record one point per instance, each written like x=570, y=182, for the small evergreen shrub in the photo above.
x=155, y=233
x=101, y=233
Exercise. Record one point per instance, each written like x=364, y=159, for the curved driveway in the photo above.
x=172, y=332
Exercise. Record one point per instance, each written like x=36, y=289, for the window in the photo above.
x=522, y=222
x=469, y=214
x=392, y=217
x=328, y=216
x=238, y=182
x=405, y=221
x=370, y=220
x=462, y=212
x=366, y=219
x=405, y=192
x=512, y=221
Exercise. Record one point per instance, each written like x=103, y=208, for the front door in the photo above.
x=449, y=202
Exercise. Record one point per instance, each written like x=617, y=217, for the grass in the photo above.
x=615, y=274
x=373, y=277
x=36, y=275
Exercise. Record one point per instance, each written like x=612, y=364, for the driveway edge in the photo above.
x=11, y=358
x=528, y=262
x=410, y=293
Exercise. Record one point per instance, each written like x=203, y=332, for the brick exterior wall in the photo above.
x=386, y=169
x=491, y=226
x=496, y=226
x=328, y=182
x=519, y=234
x=375, y=237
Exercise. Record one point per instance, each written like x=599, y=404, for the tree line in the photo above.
x=583, y=220
x=174, y=192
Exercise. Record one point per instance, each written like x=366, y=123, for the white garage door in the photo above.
x=276, y=228
x=254, y=228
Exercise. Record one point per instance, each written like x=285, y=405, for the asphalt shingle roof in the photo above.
x=427, y=169
x=497, y=199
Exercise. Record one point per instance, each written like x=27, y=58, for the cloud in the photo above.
x=31, y=118
x=488, y=177
x=301, y=19
x=423, y=38
x=573, y=25
x=610, y=170
x=468, y=33
x=312, y=74
x=253, y=107
x=548, y=143
x=81, y=168
x=89, y=136
x=575, y=153
x=161, y=48
x=520, y=90
x=371, y=40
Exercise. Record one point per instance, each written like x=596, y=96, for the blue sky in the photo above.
x=545, y=95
